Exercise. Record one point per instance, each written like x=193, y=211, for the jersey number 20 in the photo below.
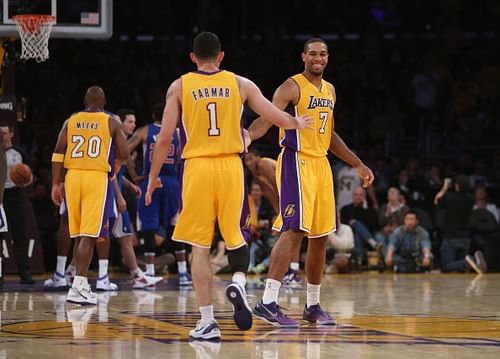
x=93, y=146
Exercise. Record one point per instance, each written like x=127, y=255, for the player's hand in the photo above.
x=152, y=185
x=365, y=174
x=136, y=190
x=305, y=121
x=121, y=204
x=247, y=139
x=57, y=194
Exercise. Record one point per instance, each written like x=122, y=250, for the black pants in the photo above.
x=14, y=203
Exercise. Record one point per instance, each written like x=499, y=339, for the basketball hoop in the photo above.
x=35, y=32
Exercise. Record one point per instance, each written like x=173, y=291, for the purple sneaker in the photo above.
x=315, y=314
x=242, y=311
x=272, y=314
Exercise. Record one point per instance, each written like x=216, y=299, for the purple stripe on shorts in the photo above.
x=290, y=137
x=245, y=212
x=108, y=206
x=182, y=136
x=181, y=178
x=290, y=205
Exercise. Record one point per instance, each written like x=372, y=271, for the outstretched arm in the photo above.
x=253, y=96
x=284, y=95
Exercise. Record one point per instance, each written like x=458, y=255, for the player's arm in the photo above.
x=268, y=170
x=121, y=204
x=119, y=138
x=253, y=96
x=340, y=149
x=57, y=193
x=3, y=168
x=139, y=136
x=171, y=115
x=287, y=93
x=136, y=190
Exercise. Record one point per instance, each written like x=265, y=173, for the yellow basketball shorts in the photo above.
x=213, y=190
x=307, y=201
x=86, y=194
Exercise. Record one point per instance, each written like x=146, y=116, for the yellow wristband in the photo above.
x=58, y=157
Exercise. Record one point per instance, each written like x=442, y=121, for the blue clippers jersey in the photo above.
x=171, y=163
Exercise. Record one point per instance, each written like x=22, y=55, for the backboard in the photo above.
x=75, y=19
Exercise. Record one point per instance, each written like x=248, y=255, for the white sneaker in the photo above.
x=83, y=296
x=145, y=281
x=203, y=330
x=58, y=280
x=105, y=285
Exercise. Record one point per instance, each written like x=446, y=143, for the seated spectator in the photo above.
x=482, y=201
x=409, y=249
x=391, y=215
x=457, y=207
x=363, y=221
x=338, y=249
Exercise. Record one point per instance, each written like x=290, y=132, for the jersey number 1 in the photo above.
x=213, y=130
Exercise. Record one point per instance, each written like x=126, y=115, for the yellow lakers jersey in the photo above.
x=211, y=115
x=89, y=142
x=318, y=104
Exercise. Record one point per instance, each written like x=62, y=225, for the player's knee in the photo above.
x=239, y=259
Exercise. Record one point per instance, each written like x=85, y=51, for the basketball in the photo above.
x=21, y=174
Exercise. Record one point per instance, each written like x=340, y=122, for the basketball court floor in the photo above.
x=379, y=315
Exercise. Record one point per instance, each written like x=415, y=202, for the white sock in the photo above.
x=207, y=313
x=271, y=291
x=372, y=242
x=80, y=282
x=103, y=268
x=61, y=264
x=150, y=269
x=240, y=279
x=313, y=294
x=182, y=267
x=295, y=266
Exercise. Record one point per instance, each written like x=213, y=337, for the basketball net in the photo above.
x=35, y=32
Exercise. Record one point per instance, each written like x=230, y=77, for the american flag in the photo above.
x=89, y=18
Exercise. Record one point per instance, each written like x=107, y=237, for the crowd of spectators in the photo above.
x=418, y=93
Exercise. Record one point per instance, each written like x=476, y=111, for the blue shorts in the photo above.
x=164, y=207
x=119, y=223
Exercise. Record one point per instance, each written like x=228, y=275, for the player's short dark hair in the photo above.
x=313, y=40
x=124, y=112
x=206, y=45
x=158, y=111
